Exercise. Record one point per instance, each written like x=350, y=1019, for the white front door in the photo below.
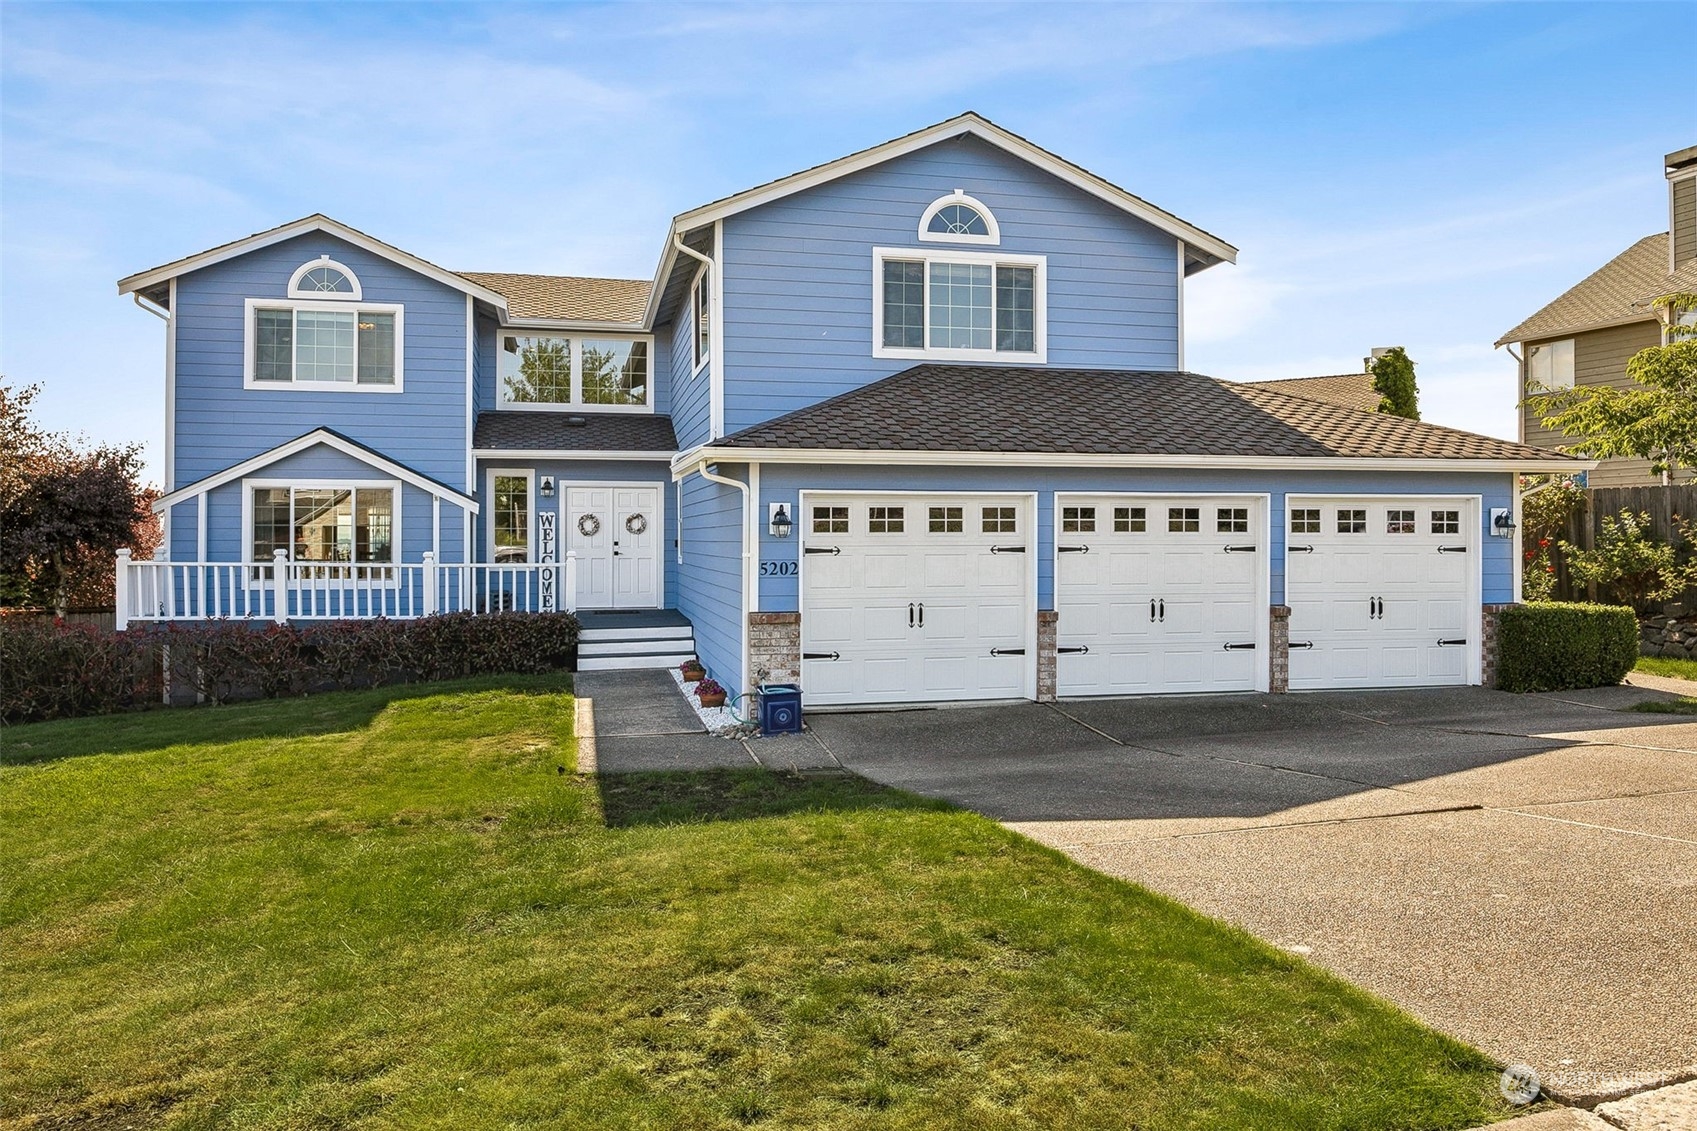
x=1381, y=591
x=616, y=534
x=1159, y=593
x=916, y=598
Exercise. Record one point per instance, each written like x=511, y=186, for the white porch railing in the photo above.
x=281, y=591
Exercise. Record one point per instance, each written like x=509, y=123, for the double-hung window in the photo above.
x=953, y=305
x=323, y=336
x=536, y=371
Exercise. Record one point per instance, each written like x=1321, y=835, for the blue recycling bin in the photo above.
x=780, y=708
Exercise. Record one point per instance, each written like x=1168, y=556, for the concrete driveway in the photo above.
x=1518, y=871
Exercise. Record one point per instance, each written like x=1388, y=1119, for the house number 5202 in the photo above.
x=779, y=569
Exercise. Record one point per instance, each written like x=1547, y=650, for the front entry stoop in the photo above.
x=633, y=639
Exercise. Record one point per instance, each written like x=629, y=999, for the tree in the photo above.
x=1655, y=418
x=1393, y=380
x=65, y=509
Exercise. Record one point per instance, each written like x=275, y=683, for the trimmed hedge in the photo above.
x=50, y=670
x=1554, y=645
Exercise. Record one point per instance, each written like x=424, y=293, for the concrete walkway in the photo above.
x=1518, y=871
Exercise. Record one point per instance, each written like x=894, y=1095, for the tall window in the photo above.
x=1549, y=365
x=324, y=524
x=301, y=344
x=958, y=306
x=539, y=370
x=701, y=315
x=509, y=518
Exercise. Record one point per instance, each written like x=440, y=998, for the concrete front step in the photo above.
x=588, y=635
x=626, y=661
x=684, y=643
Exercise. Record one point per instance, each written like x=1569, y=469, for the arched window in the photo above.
x=958, y=218
x=324, y=278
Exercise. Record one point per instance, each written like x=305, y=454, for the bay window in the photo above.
x=958, y=306
x=551, y=372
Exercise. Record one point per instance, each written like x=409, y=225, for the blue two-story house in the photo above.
x=912, y=425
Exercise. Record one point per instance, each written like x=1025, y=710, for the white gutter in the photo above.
x=152, y=308
x=745, y=603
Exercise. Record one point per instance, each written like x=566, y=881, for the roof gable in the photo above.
x=1616, y=293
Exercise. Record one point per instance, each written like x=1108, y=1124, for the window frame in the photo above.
x=700, y=310
x=1039, y=266
x=576, y=404
x=249, y=486
x=959, y=197
x=1536, y=386
x=250, y=345
x=490, y=475
x=295, y=290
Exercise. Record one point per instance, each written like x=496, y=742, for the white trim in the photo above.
x=304, y=226
x=250, y=308
x=716, y=347
x=1475, y=545
x=1029, y=501
x=302, y=443
x=470, y=394
x=928, y=255
x=567, y=453
x=1517, y=593
x=684, y=462
x=959, y=197
x=576, y=403
x=526, y=473
x=1263, y=579
x=295, y=290
x=1181, y=306
x=754, y=532
x=396, y=547
x=749, y=569
x=171, y=395
x=697, y=359
x=200, y=523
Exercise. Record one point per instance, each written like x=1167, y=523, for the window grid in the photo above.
x=1352, y=521
x=885, y=520
x=1446, y=522
x=614, y=372
x=1305, y=520
x=1184, y=520
x=958, y=220
x=830, y=520
x=904, y=304
x=1232, y=520
x=1130, y=520
x=1399, y=522
x=315, y=346
x=999, y=520
x=1078, y=520
x=324, y=524
x=946, y=520
x=1016, y=309
x=960, y=306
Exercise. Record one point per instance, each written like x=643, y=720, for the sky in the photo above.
x=1418, y=175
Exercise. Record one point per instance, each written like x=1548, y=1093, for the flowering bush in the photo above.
x=1630, y=565
x=709, y=687
x=52, y=670
x=1544, y=521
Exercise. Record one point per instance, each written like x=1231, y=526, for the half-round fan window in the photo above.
x=324, y=278
x=958, y=218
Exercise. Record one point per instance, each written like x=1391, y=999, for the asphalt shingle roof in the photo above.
x=1348, y=390
x=567, y=297
x=959, y=408
x=1619, y=291
x=553, y=431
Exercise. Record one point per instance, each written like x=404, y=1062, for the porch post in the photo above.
x=121, y=591
x=570, y=595
x=280, y=586
x=430, y=593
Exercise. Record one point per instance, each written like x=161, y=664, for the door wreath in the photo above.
x=636, y=524
x=588, y=525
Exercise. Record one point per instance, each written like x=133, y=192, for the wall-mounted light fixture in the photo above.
x=1502, y=522
x=778, y=521
x=547, y=487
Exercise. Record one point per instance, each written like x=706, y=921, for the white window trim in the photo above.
x=490, y=474
x=249, y=486
x=698, y=356
x=1533, y=384
x=959, y=197
x=576, y=405
x=295, y=290
x=249, y=329
x=1040, y=306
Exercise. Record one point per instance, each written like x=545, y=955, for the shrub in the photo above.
x=52, y=670
x=1551, y=646
x=1629, y=564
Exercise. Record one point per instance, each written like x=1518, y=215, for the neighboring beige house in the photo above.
x=1346, y=390
x=1587, y=334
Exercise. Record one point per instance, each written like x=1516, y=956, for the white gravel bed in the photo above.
x=717, y=720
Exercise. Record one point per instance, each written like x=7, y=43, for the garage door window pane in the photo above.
x=830, y=520
x=1446, y=522
x=1130, y=520
x=1078, y=520
x=1399, y=522
x=1184, y=520
x=1232, y=520
x=999, y=520
x=1305, y=520
x=1352, y=522
x=884, y=520
x=946, y=520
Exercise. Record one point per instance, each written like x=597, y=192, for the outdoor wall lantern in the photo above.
x=779, y=523
x=1502, y=522
x=547, y=487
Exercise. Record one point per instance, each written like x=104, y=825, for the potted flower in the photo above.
x=692, y=670
x=710, y=693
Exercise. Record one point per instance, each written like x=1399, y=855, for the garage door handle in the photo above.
x=1080, y=650
x=1007, y=651
x=910, y=614
x=1452, y=549
x=1240, y=549
x=922, y=614
x=1299, y=549
x=1163, y=608
x=1301, y=644
x=1240, y=647
x=1072, y=549
x=821, y=656
x=821, y=549
x=1451, y=643
x=1007, y=549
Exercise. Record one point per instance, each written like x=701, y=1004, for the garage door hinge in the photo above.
x=821, y=656
x=1240, y=549
x=1299, y=549
x=1451, y=643
x=1452, y=549
x=821, y=549
x=1072, y=549
x=1007, y=651
x=1007, y=549
x=1301, y=644
x=1240, y=647
x=1080, y=650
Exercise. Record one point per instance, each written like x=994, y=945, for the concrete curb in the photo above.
x=583, y=725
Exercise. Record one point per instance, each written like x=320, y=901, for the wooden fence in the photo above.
x=1662, y=504
x=99, y=618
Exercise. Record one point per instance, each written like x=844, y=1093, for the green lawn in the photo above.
x=1660, y=665
x=403, y=909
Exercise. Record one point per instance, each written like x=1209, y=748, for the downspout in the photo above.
x=157, y=311
x=747, y=573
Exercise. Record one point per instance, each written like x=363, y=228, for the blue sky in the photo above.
x=1419, y=175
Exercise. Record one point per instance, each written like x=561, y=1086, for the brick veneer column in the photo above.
x=1047, y=619
x=774, y=644
x=1278, y=650
x=1488, y=643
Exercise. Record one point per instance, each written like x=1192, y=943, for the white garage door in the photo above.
x=1381, y=591
x=916, y=598
x=1159, y=594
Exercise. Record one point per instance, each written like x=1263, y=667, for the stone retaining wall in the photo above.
x=1672, y=636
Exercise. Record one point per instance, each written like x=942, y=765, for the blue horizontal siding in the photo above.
x=783, y=483
x=710, y=581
